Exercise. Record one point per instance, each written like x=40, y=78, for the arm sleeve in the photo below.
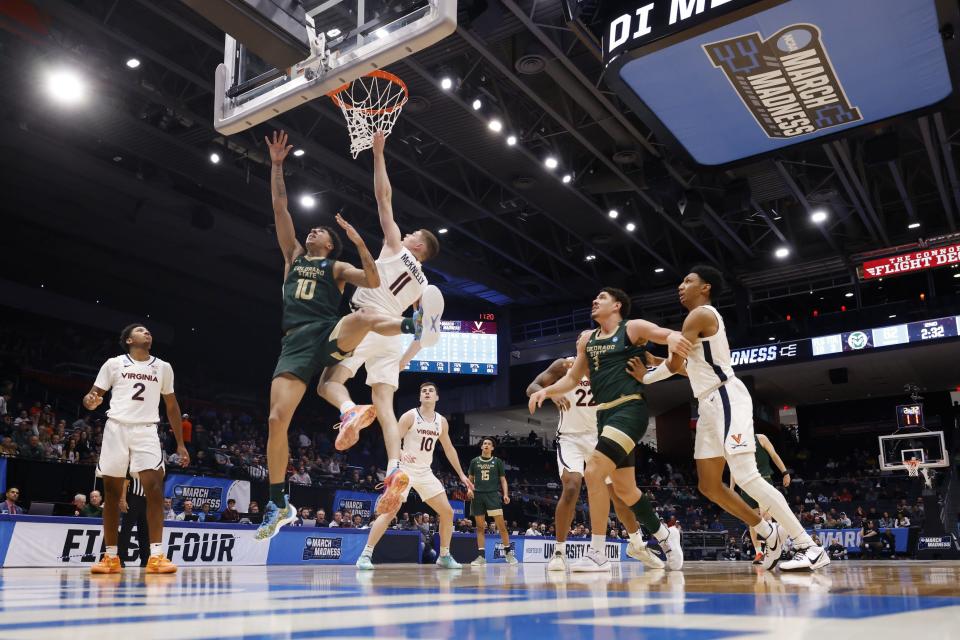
x=658, y=374
x=105, y=377
x=166, y=387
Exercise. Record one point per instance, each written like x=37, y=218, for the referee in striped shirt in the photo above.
x=133, y=505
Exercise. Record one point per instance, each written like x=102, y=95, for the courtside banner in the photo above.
x=494, y=551
x=540, y=550
x=322, y=545
x=910, y=262
x=202, y=490
x=39, y=541
x=356, y=502
x=851, y=538
x=459, y=508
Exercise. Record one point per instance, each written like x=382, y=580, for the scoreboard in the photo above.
x=909, y=415
x=465, y=347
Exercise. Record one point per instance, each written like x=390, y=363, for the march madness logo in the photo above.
x=357, y=506
x=786, y=81
x=199, y=496
x=322, y=548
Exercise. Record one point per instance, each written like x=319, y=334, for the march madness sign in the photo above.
x=787, y=81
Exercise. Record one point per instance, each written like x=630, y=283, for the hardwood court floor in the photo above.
x=902, y=600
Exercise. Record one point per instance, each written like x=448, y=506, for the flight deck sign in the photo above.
x=786, y=81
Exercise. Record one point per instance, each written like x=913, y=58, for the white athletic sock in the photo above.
x=662, y=533
x=561, y=548
x=597, y=543
x=392, y=464
x=773, y=501
x=346, y=406
x=803, y=541
x=367, y=551
x=635, y=538
x=111, y=550
x=763, y=529
x=156, y=548
x=444, y=551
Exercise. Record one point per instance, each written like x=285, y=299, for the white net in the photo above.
x=369, y=104
x=913, y=467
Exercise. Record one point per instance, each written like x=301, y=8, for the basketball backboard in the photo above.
x=343, y=40
x=928, y=447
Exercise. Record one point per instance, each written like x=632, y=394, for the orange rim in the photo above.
x=379, y=73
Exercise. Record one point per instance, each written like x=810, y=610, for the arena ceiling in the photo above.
x=126, y=180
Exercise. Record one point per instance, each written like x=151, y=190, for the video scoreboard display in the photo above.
x=465, y=347
x=850, y=342
x=894, y=335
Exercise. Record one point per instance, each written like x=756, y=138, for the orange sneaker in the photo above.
x=160, y=564
x=351, y=423
x=393, y=487
x=107, y=564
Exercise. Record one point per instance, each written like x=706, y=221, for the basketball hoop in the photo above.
x=369, y=104
x=913, y=467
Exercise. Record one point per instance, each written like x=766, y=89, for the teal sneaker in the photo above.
x=365, y=563
x=479, y=562
x=274, y=518
x=447, y=562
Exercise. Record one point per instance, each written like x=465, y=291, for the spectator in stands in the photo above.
x=187, y=431
x=844, y=521
x=716, y=525
x=902, y=520
x=886, y=521
x=94, y=508
x=334, y=467
x=168, y=512
x=845, y=495
x=230, y=514
x=321, y=518
x=188, y=515
x=870, y=542
x=837, y=551
x=54, y=449
x=70, y=453
x=4, y=403
x=533, y=529
x=10, y=506
x=301, y=477
x=8, y=447
x=205, y=514
x=33, y=450
x=79, y=504
x=254, y=508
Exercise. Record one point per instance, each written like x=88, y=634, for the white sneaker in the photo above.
x=428, y=316
x=642, y=553
x=557, y=563
x=592, y=562
x=774, y=547
x=808, y=559
x=673, y=549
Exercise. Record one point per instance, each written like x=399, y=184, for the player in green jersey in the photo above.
x=765, y=454
x=622, y=418
x=315, y=335
x=489, y=478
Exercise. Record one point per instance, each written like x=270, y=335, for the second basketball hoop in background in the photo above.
x=369, y=104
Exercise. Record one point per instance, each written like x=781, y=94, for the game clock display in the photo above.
x=465, y=347
x=909, y=415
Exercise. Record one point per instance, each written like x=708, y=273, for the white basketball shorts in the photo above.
x=381, y=356
x=725, y=426
x=573, y=450
x=424, y=482
x=129, y=447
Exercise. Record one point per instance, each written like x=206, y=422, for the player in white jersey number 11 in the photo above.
x=137, y=381
x=420, y=429
x=402, y=284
